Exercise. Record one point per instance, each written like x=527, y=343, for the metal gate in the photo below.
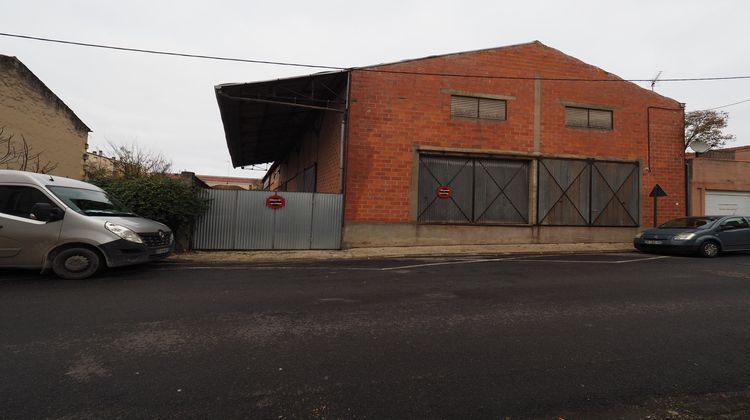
x=472, y=190
x=588, y=193
x=245, y=220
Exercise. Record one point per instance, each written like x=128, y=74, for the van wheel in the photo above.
x=76, y=263
x=709, y=249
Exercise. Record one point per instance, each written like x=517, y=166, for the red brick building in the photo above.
x=519, y=144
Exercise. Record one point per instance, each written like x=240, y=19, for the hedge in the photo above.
x=158, y=197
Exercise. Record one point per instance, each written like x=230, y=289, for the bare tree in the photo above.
x=134, y=162
x=706, y=126
x=22, y=156
x=6, y=145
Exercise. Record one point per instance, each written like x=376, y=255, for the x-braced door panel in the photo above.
x=614, y=194
x=501, y=191
x=588, y=193
x=445, y=189
x=472, y=190
x=564, y=192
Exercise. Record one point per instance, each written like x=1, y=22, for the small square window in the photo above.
x=464, y=106
x=478, y=108
x=491, y=109
x=600, y=119
x=588, y=118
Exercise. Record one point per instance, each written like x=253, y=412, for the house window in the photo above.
x=477, y=108
x=588, y=118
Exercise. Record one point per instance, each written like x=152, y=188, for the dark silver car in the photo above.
x=703, y=235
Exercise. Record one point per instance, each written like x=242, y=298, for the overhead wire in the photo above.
x=365, y=69
x=168, y=53
x=727, y=105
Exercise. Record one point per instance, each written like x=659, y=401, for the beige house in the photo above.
x=230, y=182
x=719, y=182
x=39, y=132
x=96, y=163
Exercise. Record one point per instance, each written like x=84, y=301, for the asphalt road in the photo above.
x=470, y=336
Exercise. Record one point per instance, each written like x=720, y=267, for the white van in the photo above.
x=72, y=227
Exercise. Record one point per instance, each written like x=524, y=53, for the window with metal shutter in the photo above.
x=492, y=109
x=576, y=117
x=600, y=119
x=464, y=106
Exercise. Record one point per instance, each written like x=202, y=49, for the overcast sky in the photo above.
x=167, y=104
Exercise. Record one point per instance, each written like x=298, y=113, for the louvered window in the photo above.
x=588, y=118
x=479, y=108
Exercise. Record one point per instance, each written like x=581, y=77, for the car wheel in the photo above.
x=76, y=263
x=709, y=249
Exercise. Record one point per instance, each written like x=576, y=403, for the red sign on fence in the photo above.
x=275, y=201
x=444, y=191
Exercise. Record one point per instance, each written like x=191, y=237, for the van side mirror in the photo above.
x=46, y=212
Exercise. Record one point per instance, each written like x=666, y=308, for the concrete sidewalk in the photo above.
x=365, y=253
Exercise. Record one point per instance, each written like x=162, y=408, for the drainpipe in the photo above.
x=688, y=181
x=343, y=152
x=344, y=133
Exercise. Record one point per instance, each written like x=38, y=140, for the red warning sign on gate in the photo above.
x=444, y=191
x=275, y=201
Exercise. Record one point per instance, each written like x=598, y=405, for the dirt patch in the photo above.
x=151, y=340
x=86, y=369
x=724, y=405
x=733, y=274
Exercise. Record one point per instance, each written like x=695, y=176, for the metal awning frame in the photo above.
x=264, y=120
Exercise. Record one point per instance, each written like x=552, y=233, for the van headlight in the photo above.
x=684, y=236
x=638, y=235
x=123, y=232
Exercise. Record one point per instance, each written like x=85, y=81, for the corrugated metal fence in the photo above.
x=241, y=220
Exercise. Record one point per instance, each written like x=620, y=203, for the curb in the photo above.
x=390, y=252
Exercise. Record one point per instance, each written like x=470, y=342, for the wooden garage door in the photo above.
x=575, y=192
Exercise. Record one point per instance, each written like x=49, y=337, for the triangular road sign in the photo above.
x=657, y=192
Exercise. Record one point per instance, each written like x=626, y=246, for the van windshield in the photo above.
x=90, y=202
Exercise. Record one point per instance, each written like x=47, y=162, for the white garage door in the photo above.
x=725, y=202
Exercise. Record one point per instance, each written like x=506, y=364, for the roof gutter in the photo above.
x=268, y=101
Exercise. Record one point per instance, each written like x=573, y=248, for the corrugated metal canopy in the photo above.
x=263, y=121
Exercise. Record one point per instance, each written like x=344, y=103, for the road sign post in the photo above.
x=656, y=193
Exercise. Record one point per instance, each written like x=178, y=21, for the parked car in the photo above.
x=705, y=235
x=72, y=227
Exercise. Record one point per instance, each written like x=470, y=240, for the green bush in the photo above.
x=158, y=197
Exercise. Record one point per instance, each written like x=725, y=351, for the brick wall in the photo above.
x=320, y=146
x=391, y=115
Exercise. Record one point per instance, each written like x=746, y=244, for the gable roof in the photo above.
x=16, y=64
x=261, y=126
x=601, y=74
x=460, y=53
